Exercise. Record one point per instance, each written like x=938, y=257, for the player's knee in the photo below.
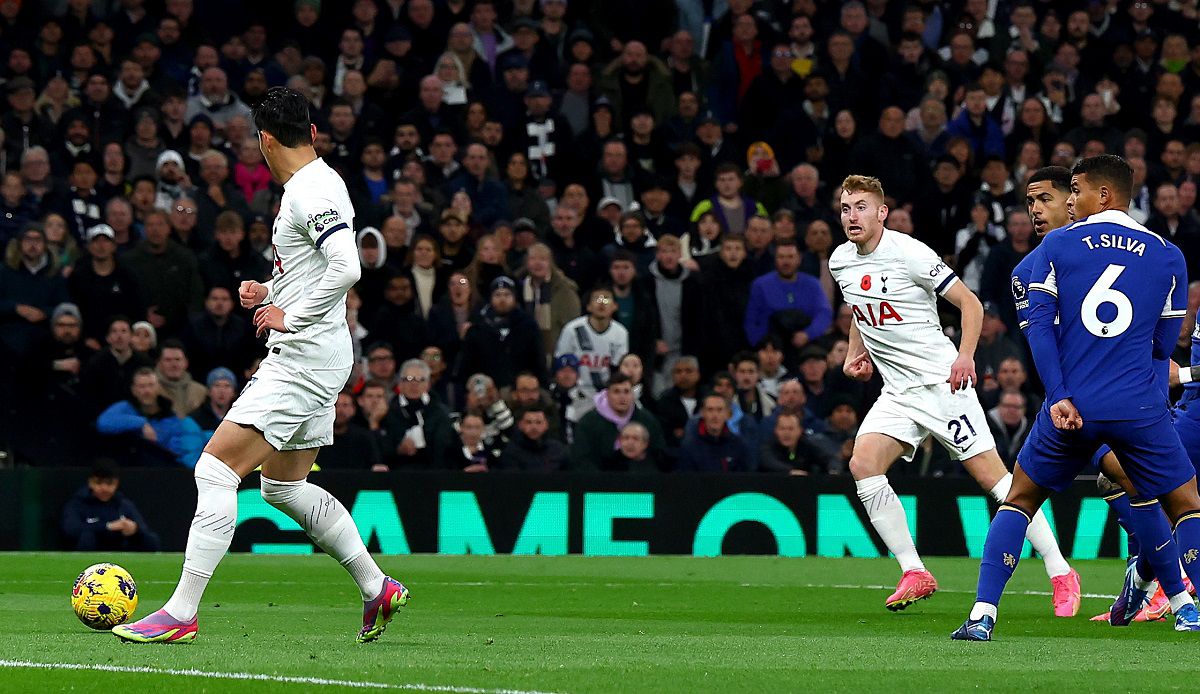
x=279, y=493
x=862, y=467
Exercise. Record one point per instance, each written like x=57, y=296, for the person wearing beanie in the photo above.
x=222, y=389
x=502, y=341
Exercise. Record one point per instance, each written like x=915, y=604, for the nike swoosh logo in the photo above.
x=845, y=285
x=93, y=520
x=1159, y=549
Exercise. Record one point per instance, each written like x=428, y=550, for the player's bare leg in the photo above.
x=285, y=486
x=233, y=452
x=873, y=455
x=989, y=471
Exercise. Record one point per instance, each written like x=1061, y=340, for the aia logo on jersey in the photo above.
x=877, y=317
x=595, y=361
x=865, y=283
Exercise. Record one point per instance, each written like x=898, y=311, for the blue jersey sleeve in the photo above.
x=1040, y=331
x=1166, y=333
x=1019, y=282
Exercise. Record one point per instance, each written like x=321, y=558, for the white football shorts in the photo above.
x=956, y=420
x=292, y=405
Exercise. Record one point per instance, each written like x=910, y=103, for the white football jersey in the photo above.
x=598, y=353
x=893, y=293
x=315, y=263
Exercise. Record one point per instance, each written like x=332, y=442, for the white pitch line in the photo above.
x=257, y=677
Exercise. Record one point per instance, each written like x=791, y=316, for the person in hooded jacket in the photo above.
x=375, y=271
x=397, y=320
x=596, y=434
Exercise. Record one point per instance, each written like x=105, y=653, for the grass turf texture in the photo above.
x=587, y=625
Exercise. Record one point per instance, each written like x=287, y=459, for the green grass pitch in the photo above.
x=574, y=624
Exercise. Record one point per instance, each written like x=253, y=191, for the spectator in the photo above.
x=835, y=440
x=633, y=237
x=504, y=341
x=419, y=427
x=977, y=125
x=994, y=345
x=1169, y=222
x=751, y=398
x=167, y=273
x=107, y=376
x=595, y=342
x=229, y=261
x=222, y=389
x=98, y=518
x=218, y=336
x=474, y=454
x=175, y=383
x=353, y=448
x=788, y=450
x=787, y=303
x=770, y=364
x=30, y=288
x=678, y=403
x=216, y=100
x=532, y=448
x=101, y=286
x=632, y=453
x=547, y=294
x=974, y=242
x=892, y=157
x=147, y=417
x=397, y=321
x=216, y=193
x=1009, y=425
x=635, y=80
x=709, y=445
x=636, y=307
x=732, y=207
x=483, y=399
x=596, y=433
x=717, y=296
x=527, y=393
x=995, y=284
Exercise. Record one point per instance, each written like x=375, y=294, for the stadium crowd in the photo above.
x=594, y=235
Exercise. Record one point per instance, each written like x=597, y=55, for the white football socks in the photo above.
x=890, y=521
x=211, y=533
x=980, y=609
x=1038, y=533
x=326, y=521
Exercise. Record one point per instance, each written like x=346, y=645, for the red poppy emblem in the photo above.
x=866, y=283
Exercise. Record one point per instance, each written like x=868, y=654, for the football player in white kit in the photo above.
x=285, y=413
x=892, y=282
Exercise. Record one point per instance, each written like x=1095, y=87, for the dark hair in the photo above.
x=769, y=340
x=617, y=379
x=744, y=356
x=172, y=344
x=728, y=167
x=283, y=113
x=1058, y=176
x=374, y=383
x=623, y=254
x=104, y=469
x=1110, y=169
x=974, y=87
x=788, y=242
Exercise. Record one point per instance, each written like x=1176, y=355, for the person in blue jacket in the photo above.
x=149, y=415
x=787, y=302
x=100, y=518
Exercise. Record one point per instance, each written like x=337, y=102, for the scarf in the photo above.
x=538, y=299
x=606, y=411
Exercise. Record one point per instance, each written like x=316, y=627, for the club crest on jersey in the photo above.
x=883, y=284
x=865, y=283
x=321, y=220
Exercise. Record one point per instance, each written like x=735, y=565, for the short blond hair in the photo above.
x=855, y=183
x=669, y=242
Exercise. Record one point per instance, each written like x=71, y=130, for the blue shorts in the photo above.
x=1149, y=449
x=1188, y=428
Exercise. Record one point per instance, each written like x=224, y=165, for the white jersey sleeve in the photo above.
x=329, y=229
x=924, y=266
x=315, y=264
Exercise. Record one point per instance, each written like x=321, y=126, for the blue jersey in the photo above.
x=1191, y=391
x=1119, y=293
x=1020, y=285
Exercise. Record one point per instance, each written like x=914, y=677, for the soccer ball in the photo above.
x=104, y=596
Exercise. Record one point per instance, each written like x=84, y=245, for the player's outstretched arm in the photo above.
x=962, y=372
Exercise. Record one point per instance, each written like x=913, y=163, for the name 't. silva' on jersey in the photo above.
x=1122, y=243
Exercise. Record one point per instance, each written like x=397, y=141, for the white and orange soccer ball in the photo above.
x=104, y=596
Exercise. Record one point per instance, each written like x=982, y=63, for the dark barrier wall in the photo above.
x=454, y=513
